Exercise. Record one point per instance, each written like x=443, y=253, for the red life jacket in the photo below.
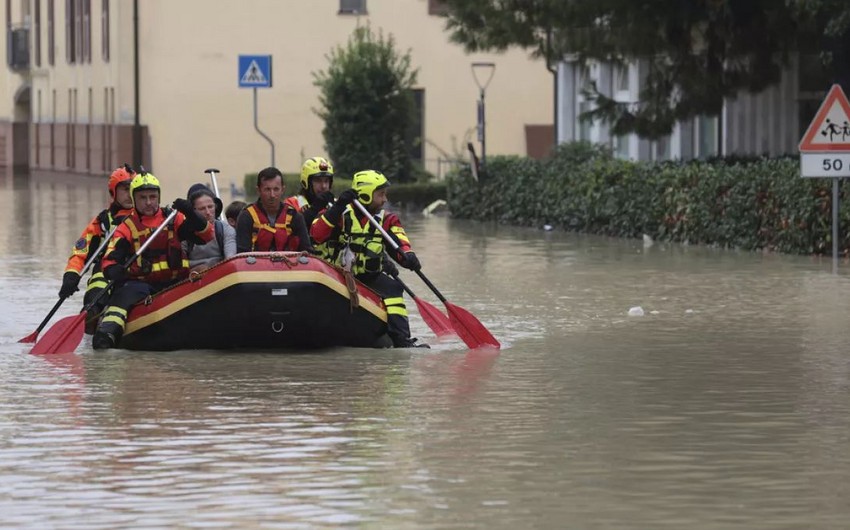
x=164, y=259
x=266, y=236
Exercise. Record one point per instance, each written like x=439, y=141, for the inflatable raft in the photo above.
x=259, y=300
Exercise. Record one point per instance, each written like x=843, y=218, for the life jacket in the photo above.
x=365, y=241
x=108, y=218
x=266, y=236
x=163, y=260
x=299, y=202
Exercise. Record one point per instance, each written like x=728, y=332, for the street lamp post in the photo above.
x=487, y=69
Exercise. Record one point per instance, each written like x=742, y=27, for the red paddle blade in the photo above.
x=436, y=320
x=63, y=337
x=29, y=339
x=470, y=329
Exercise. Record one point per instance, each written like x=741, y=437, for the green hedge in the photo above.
x=736, y=203
x=411, y=195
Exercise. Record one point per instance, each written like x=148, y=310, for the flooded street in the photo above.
x=726, y=405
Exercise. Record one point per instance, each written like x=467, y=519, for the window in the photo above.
x=352, y=7
x=584, y=124
x=104, y=30
x=417, y=126
x=51, y=44
x=78, y=31
x=620, y=146
x=70, y=31
x=437, y=7
x=621, y=78
x=661, y=149
x=37, y=33
x=86, y=32
x=706, y=136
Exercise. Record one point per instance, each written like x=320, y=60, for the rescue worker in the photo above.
x=120, y=205
x=361, y=247
x=269, y=224
x=163, y=263
x=317, y=180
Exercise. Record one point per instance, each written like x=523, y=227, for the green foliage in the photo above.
x=695, y=53
x=736, y=203
x=367, y=105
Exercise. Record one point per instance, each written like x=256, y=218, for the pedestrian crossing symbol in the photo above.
x=255, y=71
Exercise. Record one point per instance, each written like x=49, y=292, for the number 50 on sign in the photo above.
x=825, y=164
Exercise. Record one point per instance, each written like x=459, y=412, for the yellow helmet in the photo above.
x=316, y=167
x=143, y=181
x=366, y=182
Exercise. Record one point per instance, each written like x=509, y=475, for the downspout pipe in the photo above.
x=138, y=154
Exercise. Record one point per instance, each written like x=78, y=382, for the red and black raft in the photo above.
x=259, y=300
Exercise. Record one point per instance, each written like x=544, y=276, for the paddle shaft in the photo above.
x=212, y=173
x=89, y=263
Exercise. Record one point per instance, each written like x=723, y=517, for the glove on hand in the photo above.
x=70, y=283
x=389, y=267
x=347, y=197
x=115, y=273
x=322, y=200
x=183, y=206
x=411, y=262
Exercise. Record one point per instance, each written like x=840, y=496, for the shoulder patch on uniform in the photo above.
x=80, y=244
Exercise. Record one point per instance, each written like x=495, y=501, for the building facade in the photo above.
x=769, y=123
x=90, y=82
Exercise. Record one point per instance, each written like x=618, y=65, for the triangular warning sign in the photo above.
x=830, y=129
x=254, y=74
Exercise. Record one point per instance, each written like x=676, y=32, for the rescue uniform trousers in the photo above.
x=398, y=327
x=95, y=285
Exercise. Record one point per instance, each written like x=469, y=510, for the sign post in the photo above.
x=825, y=150
x=255, y=71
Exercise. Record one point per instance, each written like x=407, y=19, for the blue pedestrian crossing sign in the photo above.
x=255, y=71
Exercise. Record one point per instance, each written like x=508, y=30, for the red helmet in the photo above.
x=120, y=175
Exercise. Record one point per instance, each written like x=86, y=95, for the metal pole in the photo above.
x=835, y=225
x=137, y=126
x=483, y=131
x=482, y=86
x=269, y=140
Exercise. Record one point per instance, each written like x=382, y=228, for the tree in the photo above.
x=698, y=51
x=367, y=105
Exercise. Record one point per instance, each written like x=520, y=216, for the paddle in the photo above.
x=212, y=173
x=65, y=335
x=469, y=328
x=34, y=335
x=436, y=320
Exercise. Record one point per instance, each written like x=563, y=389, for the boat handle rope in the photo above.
x=280, y=257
